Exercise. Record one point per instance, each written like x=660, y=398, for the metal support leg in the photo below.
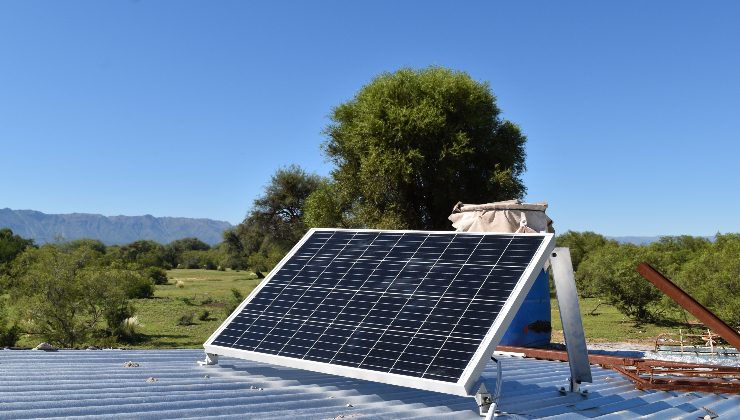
x=570, y=315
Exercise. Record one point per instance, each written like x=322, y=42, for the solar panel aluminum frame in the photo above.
x=469, y=378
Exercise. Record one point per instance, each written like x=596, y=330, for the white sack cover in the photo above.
x=502, y=216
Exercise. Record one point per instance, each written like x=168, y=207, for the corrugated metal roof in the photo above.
x=89, y=384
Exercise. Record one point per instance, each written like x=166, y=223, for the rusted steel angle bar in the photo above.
x=690, y=304
x=669, y=364
x=633, y=369
x=695, y=373
x=673, y=384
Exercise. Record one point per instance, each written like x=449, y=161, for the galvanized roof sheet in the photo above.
x=169, y=384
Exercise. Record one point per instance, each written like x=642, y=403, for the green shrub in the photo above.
x=64, y=296
x=185, y=319
x=610, y=272
x=186, y=300
x=713, y=278
x=139, y=287
x=234, y=301
x=115, y=314
x=8, y=335
x=156, y=275
x=204, y=316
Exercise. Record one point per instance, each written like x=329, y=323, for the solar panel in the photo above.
x=410, y=308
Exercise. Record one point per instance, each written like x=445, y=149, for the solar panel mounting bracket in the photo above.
x=210, y=360
x=570, y=316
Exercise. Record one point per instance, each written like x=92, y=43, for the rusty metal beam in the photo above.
x=690, y=304
x=678, y=384
x=661, y=374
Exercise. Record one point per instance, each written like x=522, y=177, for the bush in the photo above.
x=713, y=278
x=185, y=319
x=610, y=272
x=204, y=316
x=581, y=244
x=139, y=287
x=235, y=300
x=9, y=337
x=157, y=275
x=65, y=296
x=186, y=300
x=115, y=316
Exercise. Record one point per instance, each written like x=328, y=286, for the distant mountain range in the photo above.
x=111, y=230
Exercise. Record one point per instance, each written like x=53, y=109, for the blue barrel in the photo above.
x=531, y=326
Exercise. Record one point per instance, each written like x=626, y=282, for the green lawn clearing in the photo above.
x=189, y=293
x=603, y=323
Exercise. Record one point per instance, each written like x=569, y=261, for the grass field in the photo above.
x=603, y=323
x=202, y=290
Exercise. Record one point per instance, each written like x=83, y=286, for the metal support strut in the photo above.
x=570, y=315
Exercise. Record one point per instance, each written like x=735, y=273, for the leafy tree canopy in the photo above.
x=276, y=220
x=144, y=253
x=610, y=272
x=94, y=244
x=581, y=244
x=410, y=145
x=713, y=277
x=11, y=245
x=188, y=244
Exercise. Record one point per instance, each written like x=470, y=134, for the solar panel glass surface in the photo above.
x=415, y=304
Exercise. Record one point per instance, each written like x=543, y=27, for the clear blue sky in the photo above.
x=186, y=108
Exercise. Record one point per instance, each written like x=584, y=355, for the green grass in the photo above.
x=603, y=323
x=203, y=290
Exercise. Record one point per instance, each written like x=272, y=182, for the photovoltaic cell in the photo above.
x=416, y=304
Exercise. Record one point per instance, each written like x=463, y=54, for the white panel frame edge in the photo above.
x=472, y=371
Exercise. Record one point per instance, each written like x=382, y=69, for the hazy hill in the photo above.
x=111, y=230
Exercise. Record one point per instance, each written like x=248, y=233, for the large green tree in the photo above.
x=276, y=221
x=411, y=144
